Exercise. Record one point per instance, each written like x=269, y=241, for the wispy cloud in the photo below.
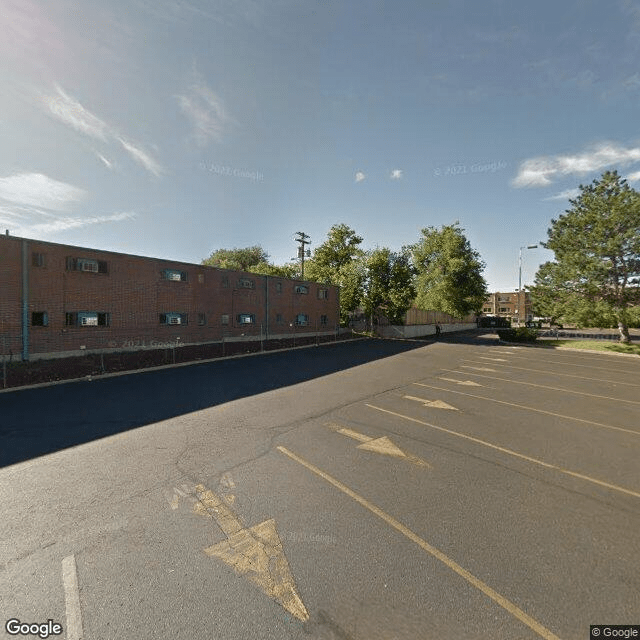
x=38, y=190
x=72, y=113
x=107, y=163
x=205, y=111
x=539, y=172
x=141, y=157
x=396, y=174
x=360, y=176
x=56, y=223
x=565, y=195
x=633, y=177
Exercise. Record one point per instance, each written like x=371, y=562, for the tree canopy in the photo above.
x=387, y=284
x=337, y=261
x=448, y=272
x=238, y=259
x=597, y=255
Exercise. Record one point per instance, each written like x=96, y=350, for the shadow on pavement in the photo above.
x=34, y=422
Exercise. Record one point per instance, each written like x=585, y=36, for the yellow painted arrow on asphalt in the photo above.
x=381, y=445
x=468, y=383
x=255, y=552
x=436, y=404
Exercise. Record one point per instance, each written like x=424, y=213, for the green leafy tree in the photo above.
x=448, y=272
x=290, y=270
x=238, y=259
x=337, y=261
x=251, y=259
x=388, y=284
x=597, y=255
x=339, y=249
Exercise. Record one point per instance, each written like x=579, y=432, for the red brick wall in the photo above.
x=134, y=294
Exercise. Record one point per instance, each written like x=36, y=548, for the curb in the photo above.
x=588, y=351
x=102, y=376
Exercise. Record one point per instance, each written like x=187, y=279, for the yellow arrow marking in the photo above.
x=436, y=404
x=255, y=552
x=381, y=445
x=468, y=383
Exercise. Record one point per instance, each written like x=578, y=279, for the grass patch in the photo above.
x=592, y=345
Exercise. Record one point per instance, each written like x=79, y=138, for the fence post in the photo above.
x=261, y=339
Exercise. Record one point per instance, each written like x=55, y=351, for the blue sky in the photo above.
x=171, y=128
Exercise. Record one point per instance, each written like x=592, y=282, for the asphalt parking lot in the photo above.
x=460, y=489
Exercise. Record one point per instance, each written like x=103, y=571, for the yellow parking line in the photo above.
x=510, y=452
x=543, y=632
x=543, y=386
x=522, y=406
x=566, y=375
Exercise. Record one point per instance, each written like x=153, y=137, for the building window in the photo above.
x=202, y=319
x=87, y=265
x=87, y=319
x=37, y=259
x=225, y=281
x=324, y=320
x=300, y=288
x=173, y=318
x=323, y=294
x=246, y=283
x=225, y=319
x=246, y=318
x=279, y=318
x=503, y=309
x=278, y=287
x=487, y=310
x=302, y=319
x=39, y=319
x=201, y=278
x=174, y=274
x=504, y=299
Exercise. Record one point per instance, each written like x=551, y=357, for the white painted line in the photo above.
x=72, y=598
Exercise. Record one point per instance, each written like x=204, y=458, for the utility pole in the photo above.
x=520, y=298
x=303, y=239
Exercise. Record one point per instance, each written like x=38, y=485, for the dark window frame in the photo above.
x=39, y=319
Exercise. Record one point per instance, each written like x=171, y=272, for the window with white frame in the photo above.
x=302, y=319
x=300, y=288
x=246, y=283
x=246, y=318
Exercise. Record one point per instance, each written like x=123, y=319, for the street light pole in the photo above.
x=529, y=246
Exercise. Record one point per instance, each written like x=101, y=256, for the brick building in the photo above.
x=514, y=305
x=59, y=300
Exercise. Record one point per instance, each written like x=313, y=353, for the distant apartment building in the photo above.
x=514, y=305
x=59, y=300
